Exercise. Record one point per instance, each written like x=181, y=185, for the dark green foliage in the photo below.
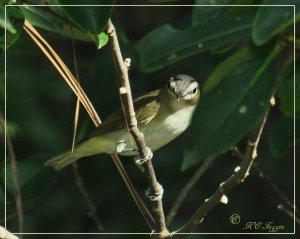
x=237, y=53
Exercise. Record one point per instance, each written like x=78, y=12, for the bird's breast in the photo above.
x=167, y=126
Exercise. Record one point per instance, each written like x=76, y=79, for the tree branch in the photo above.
x=131, y=122
x=239, y=175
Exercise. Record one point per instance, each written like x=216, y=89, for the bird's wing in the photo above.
x=142, y=105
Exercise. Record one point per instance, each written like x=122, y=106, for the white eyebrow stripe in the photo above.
x=192, y=86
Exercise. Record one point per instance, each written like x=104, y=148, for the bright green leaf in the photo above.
x=281, y=136
x=227, y=112
x=225, y=67
x=91, y=19
x=271, y=20
x=166, y=45
x=102, y=40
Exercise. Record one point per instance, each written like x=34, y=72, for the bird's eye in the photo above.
x=195, y=90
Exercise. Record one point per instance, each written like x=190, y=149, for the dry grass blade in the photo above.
x=63, y=70
x=77, y=109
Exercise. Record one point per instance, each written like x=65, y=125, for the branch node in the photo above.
x=254, y=154
x=163, y=234
x=123, y=90
x=272, y=101
x=221, y=184
x=127, y=62
x=236, y=169
x=224, y=199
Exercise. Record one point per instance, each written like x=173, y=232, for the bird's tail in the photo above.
x=63, y=160
x=89, y=147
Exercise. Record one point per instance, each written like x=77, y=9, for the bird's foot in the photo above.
x=140, y=161
x=121, y=148
x=155, y=196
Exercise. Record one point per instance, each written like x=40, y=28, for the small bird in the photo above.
x=162, y=115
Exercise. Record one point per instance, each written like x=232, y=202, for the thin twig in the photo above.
x=14, y=175
x=239, y=175
x=274, y=187
x=187, y=188
x=236, y=152
x=289, y=213
x=129, y=115
x=33, y=204
x=92, y=209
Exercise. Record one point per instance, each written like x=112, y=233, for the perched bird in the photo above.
x=162, y=115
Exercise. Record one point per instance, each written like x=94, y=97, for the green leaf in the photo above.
x=9, y=26
x=102, y=40
x=12, y=35
x=51, y=20
x=39, y=17
x=225, y=67
x=271, y=20
x=166, y=45
x=227, y=112
x=91, y=19
x=286, y=95
x=281, y=137
x=203, y=13
x=11, y=38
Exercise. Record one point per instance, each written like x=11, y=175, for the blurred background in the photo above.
x=202, y=41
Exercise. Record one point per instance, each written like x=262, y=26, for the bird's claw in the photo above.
x=155, y=196
x=140, y=161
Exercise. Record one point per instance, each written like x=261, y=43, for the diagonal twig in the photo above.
x=91, y=207
x=129, y=115
x=236, y=152
x=14, y=175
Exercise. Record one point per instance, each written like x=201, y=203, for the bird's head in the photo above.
x=182, y=89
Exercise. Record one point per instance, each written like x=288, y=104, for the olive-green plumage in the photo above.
x=162, y=115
